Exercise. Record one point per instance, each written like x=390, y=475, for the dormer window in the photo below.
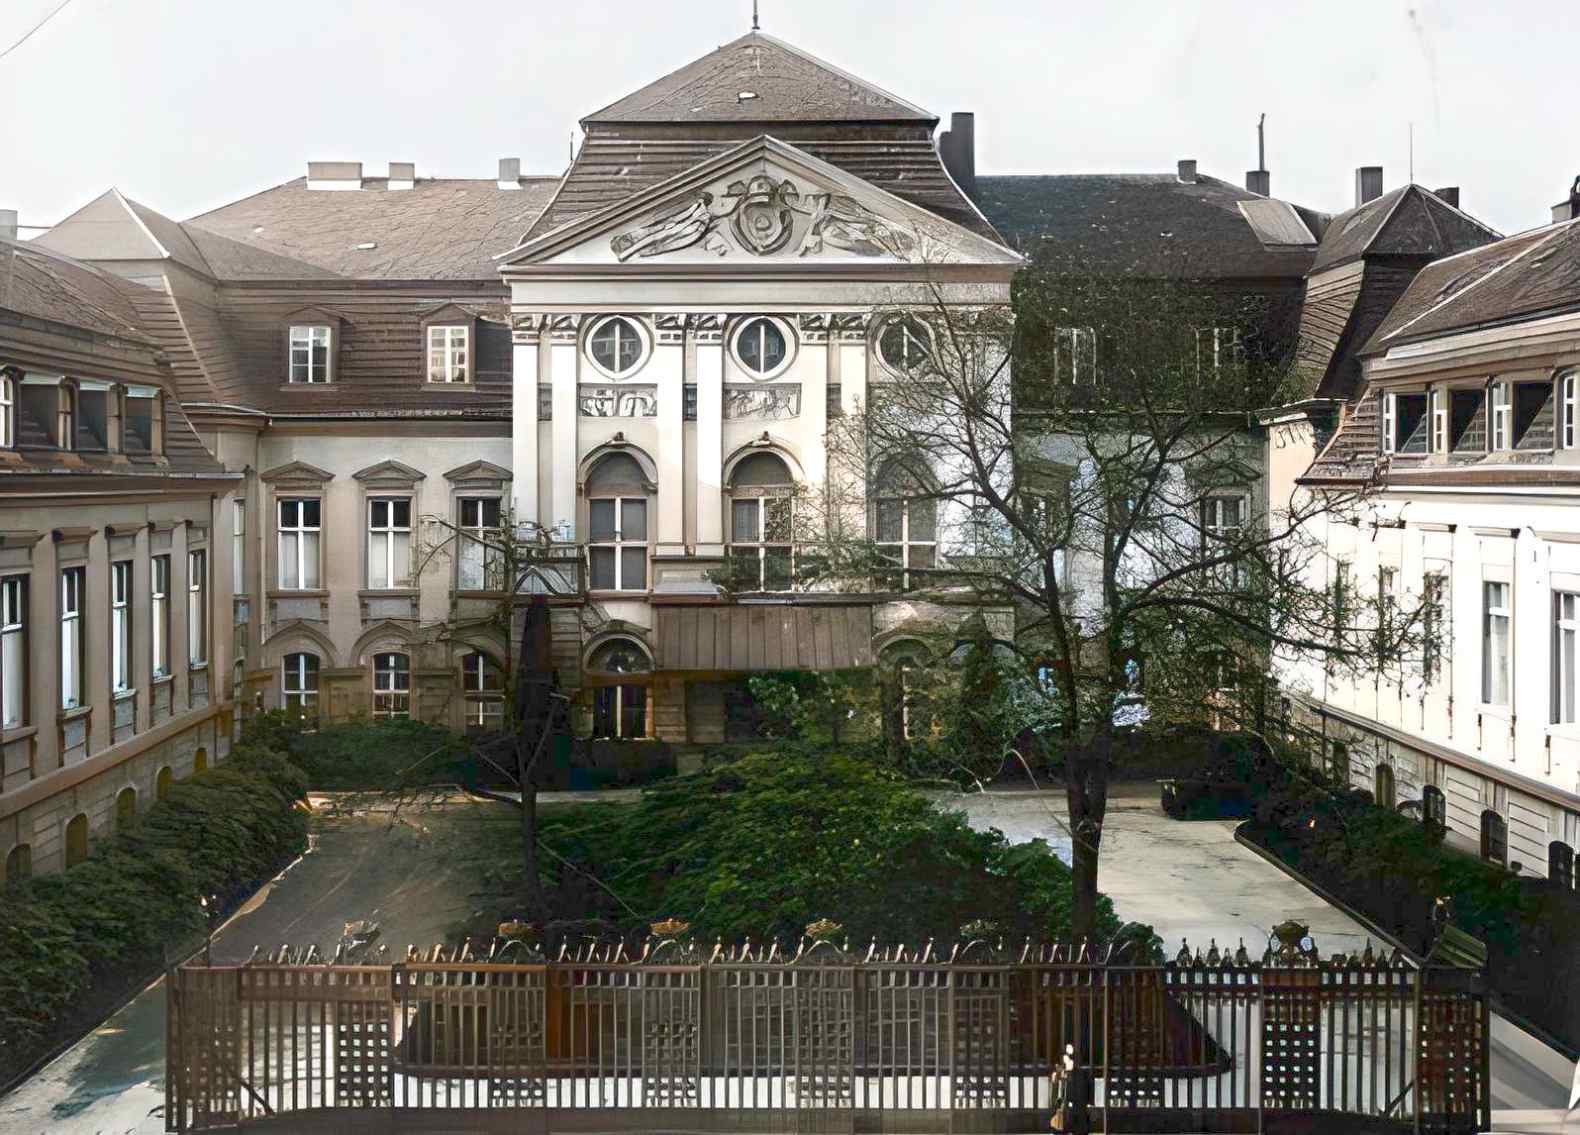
x=66, y=416
x=449, y=354
x=310, y=344
x=1404, y=422
x=7, y=410
x=143, y=424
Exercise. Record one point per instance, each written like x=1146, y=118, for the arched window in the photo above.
x=1434, y=808
x=18, y=863
x=761, y=524
x=1339, y=763
x=125, y=808
x=1494, y=837
x=77, y=839
x=200, y=760
x=1561, y=865
x=617, y=346
x=617, y=499
x=905, y=524
x=1384, y=793
x=762, y=347
x=619, y=672
x=162, y=781
x=905, y=345
x=483, y=686
x=299, y=685
x=903, y=691
x=7, y=410
x=391, y=685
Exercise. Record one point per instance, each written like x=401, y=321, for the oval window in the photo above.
x=761, y=347
x=903, y=345
x=616, y=345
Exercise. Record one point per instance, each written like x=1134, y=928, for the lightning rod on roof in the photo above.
x=755, y=25
x=1261, y=147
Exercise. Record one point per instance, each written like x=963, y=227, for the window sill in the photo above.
x=18, y=733
x=468, y=384
x=1565, y=730
x=194, y=667
x=163, y=679
x=307, y=385
x=470, y=593
x=388, y=593
x=599, y=593
x=74, y=713
x=315, y=593
x=1497, y=712
x=122, y=695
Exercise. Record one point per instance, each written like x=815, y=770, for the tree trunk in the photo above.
x=1086, y=791
x=537, y=901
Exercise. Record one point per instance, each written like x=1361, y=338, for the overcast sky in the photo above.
x=187, y=104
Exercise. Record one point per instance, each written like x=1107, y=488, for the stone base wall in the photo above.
x=42, y=825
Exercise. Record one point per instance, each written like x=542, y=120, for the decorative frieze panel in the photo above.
x=309, y=608
x=766, y=403
x=617, y=401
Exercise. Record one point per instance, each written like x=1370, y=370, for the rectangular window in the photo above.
x=1434, y=639
x=1495, y=643
x=13, y=651
x=238, y=547
x=1531, y=405
x=159, y=615
x=299, y=533
x=448, y=354
x=7, y=410
x=299, y=685
x=1405, y=424
x=907, y=531
x=389, y=542
x=1500, y=416
x=1386, y=612
x=1566, y=388
x=484, y=687
x=617, y=543
x=391, y=685
x=1439, y=401
x=1389, y=418
x=481, y=564
x=1566, y=624
x=121, y=626
x=1341, y=602
x=1075, y=355
x=1467, y=421
x=71, y=593
x=760, y=549
x=310, y=354
x=197, y=607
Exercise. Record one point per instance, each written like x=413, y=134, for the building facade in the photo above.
x=1461, y=433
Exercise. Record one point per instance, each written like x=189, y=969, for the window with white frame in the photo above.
x=1404, y=421
x=1567, y=408
x=7, y=410
x=481, y=563
x=13, y=651
x=1387, y=614
x=1216, y=348
x=483, y=687
x=389, y=542
x=1500, y=416
x=1566, y=625
x=299, y=536
x=143, y=420
x=617, y=543
x=66, y=416
x=616, y=346
x=619, y=671
x=761, y=347
x=449, y=354
x=1075, y=355
x=906, y=525
x=1339, y=601
x=197, y=607
x=72, y=581
x=159, y=614
x=238, y=547
x=310, y=354
x=391, y=685
x=121, y=626
x=299, y=685
x=1495, y=616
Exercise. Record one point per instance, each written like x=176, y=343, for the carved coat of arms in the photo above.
x=765, y=218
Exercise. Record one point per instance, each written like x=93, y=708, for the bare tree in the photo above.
x=1109, y=488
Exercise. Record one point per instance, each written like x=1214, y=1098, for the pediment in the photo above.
x=478, y=471
x=314, y=314
x=295, y=471
x=765, y=200
x=393, y=472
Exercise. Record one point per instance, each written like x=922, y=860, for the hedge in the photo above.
x=73, y=944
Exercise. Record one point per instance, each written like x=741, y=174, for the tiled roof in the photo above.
x=1523, y=276
x=1408, y=221
x=442, y=229
x=1146, y=224
x=608, y=169
x=758, y=78
x=46, y=285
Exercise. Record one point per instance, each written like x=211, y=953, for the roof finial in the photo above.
x=1261, y=144
x=756, y=26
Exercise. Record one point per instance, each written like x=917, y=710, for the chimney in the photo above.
x=1449, y=195
x=510, y=173
x=1569, y=209
x=957, y=146
x=7, y=224
x=1368, y=184
x=403, y=175
x=334, y=175
x=1188, y=170
x=1259, y=181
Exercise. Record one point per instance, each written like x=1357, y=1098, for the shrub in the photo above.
x=380, y=755
x=72, y=942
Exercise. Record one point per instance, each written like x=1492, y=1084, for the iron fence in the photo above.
x=752, y=1040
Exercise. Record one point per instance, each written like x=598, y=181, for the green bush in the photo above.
x=71, y=942
x=761, y=846
x=375, y=756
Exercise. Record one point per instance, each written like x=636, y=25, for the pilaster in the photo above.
x=669, y=367
x=526, y=332
x=709, y=339
x=564, y=366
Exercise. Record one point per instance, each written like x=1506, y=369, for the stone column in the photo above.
x=710, y=434
x=669, y=367
x=564, y=367
x=96, y=643
x=525, y=333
